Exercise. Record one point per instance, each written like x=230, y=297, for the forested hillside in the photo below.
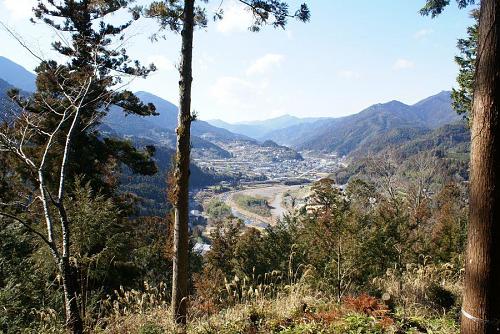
x=346, y=134
x=450, y=145
x=141, y=131
x=5, y=103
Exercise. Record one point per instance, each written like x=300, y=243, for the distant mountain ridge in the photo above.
x=259, y=129
x=12, y=75
x=347, y=134
x=16, y=75
x=140, y=130
x=350, y=133
x=166, y=121
x=161, y=128
x=361, y=132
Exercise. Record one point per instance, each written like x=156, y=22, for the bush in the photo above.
x=441, y=296
x=424, y=286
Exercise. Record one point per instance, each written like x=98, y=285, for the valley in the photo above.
x=269, y=158
x=251, y=165
x=265, y=171
x=275, y=197
x=260, y=173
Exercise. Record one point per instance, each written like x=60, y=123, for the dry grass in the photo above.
x=424, y=289
x=297, y=310
x=290, y=309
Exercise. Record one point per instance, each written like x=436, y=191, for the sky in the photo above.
x=352, y=54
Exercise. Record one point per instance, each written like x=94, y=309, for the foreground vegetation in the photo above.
x=391, y=243
x=294, y=308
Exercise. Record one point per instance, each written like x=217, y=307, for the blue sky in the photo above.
x=351, y=55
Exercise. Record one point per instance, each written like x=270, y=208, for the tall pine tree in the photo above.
x=178, y=15
x=56, y=137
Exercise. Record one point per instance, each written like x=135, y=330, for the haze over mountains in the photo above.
x=347, y=134
x=259, y=129
x=373, y=128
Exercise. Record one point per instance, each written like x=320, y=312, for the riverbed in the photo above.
x=274, y=195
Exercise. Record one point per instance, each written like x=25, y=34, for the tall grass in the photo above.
x=277, y=305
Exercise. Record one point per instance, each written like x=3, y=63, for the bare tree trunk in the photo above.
x=73, y=319
x=181, y=172
x=481, y=305
x=70, y=281
x=339, y=276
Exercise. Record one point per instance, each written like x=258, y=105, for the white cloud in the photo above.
x=348, y=74
x=235, y=19
x=241, y=99
x=422, y=33
x=162, y=63
x=402, y=64
x=265, y=63
x=232, y=91
x=19, y=9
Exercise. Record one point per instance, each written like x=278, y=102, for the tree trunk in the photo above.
x=181, y=172
x=73, y=320
x=481, y=304
x=339, y=276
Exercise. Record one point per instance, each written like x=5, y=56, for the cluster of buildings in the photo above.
x=251, y=163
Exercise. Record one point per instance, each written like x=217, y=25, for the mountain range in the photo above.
x=374, y=127
x=160, y=129
x=260, y=129
x=165, y=121
x=355, y=132
x=142, y=131
x=16, y=75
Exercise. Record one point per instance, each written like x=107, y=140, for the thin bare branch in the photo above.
x=20, y=41
x=32, y=230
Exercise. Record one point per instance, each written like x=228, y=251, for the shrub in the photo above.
x=424, y=286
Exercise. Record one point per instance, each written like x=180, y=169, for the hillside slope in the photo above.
x=450, y=144
x=16, y=75
x=347, y=134
x=6, y=104
x=166, y=121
